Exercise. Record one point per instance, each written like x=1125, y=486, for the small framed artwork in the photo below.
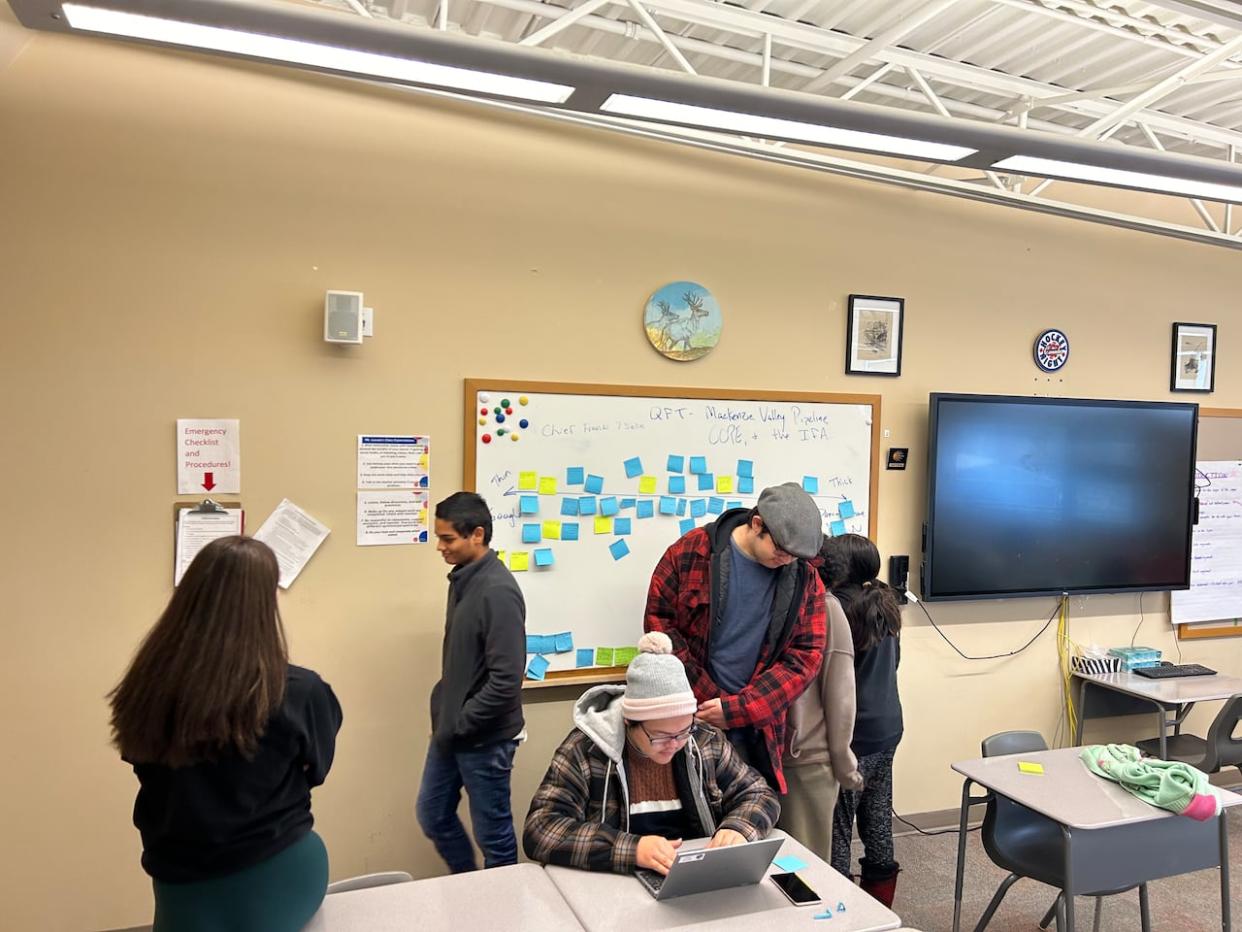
x=873, y=335
x=1194, y=358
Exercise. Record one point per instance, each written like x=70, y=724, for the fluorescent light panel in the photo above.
x=295, y=51
x=755, y=125
x=1031, y=165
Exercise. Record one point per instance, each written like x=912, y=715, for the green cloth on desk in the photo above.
x=1170, y=785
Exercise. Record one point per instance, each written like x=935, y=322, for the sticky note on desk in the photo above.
x=1028, y=767
x=790, y=863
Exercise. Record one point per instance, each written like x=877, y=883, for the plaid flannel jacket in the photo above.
x=574, y=822
x=679, y=603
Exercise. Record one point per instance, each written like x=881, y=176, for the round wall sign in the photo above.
x=1051, y=350
x=683, y=321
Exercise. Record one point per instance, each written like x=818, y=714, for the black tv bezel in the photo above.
x=927, y=563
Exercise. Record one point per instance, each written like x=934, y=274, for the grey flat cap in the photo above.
x=793, y=519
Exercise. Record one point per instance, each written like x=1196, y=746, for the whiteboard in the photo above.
x=1215, y=591
x=627, y=438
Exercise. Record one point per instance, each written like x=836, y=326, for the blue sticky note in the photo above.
x=676, y=463
x=676, y=485
x=569, y=507
x=528, y=505
x=698, y=464
x=846, y=509
x=707, y=482
x=646, y=508
x=549, y=643
x=746, y=469
x=531, y=533
x=586, y=505
x=533, y=643
x=790, y=863
x=687, y=525
x=733, y=504
x=564, y=642
x=745, y=485
x=810, y=485
x=668, y=505
x=575, y=475
x=608, y=506
x=621, y=526
x=595, y=484
x=543, y=556
x=681, y=507
x=537, y=668
x=586, y=657
x=715, y=505
x=627, y=503
x=619, y=549
x=633, y=467
x=698, y=508
x=569, y=530
x=836, y=528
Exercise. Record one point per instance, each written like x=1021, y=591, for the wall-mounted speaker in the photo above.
x=342, y=317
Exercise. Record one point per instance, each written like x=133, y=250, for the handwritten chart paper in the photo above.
x=1215, y=591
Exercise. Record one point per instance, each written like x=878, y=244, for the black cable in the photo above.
x=992, y=656
x=940, y=831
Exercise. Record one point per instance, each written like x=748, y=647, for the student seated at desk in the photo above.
x=227, y=738
x=638, y=774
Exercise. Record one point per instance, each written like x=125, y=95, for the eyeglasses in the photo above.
x=780, y=552
x=663, y=741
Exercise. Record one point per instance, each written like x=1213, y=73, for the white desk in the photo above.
x=1177, y=694
x=619, y=903
x=1112, y=838
x=512, y=899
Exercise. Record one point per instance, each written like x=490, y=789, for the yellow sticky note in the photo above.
x=1028, y=767
x=502, y=557
x=527, y=481
x=724, y=484
x=603, y=524
x=547, y=485
x=519, y=561
x=552, y=530
x=647, y=485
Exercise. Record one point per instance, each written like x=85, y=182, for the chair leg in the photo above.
x=996, y=901
x=1062, y=921
x=1050, y=915
x=1099, y=912
x=1144, y=908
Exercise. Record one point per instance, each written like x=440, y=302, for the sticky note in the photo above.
x=585, y=657
x=622, y=656
x=531, y=534
x=528, y=505
x=608, y=505
x=846, y=509
x=676, y=463
x=724, y=484
x=668, y=505
x=519, y=561
x=552, y=530
x=676, y=485
x=603, y=524
x=564, y=642
x=707, y=482
x=810, y=485
x=586, y=505
x=698, y=508
x=647, y=485
x=569, y=507
x=746, y=469
x=633, y=467
x=534, y=643
x=645, y=508
x=547, y=485
x=537, y=668
x=746, y=485
x=603, y=656
x=619, y=549
x=627, y=503
x=687, y=525
x=715, y=505
x=594, y=484
x=1028, y=767
x=575, y=475
x=836, y=528
x=698, y=464
x=621, y=526
x=528, y=481
x=790, y=863
x=569, y=530
x=543, y=556
x=681, y=507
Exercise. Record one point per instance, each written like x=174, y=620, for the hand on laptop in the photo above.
x=726, y=837
x=656, y=853
x=711, y=712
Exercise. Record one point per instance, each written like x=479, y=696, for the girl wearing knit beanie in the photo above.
x=638, y=774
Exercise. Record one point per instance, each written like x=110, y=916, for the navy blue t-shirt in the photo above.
x=738, y=637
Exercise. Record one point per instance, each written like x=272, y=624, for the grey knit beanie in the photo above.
x=655, y=682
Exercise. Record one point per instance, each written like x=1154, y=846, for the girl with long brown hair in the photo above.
x=227, y=738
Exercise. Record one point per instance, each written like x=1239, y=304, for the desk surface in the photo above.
x=1177, y=690
x=520, y=897
x=619, y=903
x=1066, y=792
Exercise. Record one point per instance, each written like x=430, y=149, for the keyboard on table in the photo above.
x=1169, y=670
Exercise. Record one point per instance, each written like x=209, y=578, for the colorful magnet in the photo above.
x=514, y=437
x=483, y=410
x=523, y=400
x=504, y=402
x=487, y=438
x=500, y=418
x=523, y=423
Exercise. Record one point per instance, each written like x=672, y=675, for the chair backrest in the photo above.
x=382, y=879
x=1223, y=749
x=1012, y=742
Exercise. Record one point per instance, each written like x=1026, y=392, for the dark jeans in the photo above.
x=485, y=773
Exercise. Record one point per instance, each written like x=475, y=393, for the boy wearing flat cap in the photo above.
x=745, y=612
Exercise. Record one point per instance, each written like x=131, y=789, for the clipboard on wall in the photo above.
x=196, y=524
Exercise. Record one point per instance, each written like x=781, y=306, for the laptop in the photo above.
x=702, y=870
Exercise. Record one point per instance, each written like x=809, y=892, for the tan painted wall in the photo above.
x=169, y=225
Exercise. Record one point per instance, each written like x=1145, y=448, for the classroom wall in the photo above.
x=169, y=226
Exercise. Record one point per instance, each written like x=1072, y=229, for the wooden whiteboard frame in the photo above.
x=1203, y=630
x=470, y=462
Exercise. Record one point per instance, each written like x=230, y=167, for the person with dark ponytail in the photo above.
x=851, y=563
x=227, y=738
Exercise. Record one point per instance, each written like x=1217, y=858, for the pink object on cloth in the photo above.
x=1204, y=806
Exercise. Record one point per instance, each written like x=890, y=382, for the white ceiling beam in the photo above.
x=940, y=108
x=1233, y=74
x=1116, y=22
x=539, y=36
x=662, y=36
x=1208, y=220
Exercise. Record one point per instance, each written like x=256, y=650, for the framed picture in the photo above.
x=1194, y=358
x=873, y=335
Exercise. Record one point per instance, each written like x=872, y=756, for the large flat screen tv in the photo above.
x=1039, y=496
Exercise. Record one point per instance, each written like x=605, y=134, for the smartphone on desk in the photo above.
x=796, y=890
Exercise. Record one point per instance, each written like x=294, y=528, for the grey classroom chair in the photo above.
x=1028, y=844
x=1221, y=749
x=364, y=881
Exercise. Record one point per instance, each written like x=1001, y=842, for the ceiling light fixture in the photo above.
x=1098, y=174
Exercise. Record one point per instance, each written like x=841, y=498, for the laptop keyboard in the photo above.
x=1167, y=671
x=651, y=879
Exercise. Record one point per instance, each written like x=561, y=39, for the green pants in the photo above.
x=806, y=807
x=277, y=895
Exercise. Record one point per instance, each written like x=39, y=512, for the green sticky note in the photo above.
x=604, y=657
x=622, y=656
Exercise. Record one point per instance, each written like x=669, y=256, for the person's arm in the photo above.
x=766, y=697
x=839, y=698
x=322, y=719
x=748, y=805
x=661, y=615
x=504, y=657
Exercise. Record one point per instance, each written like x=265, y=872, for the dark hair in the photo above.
x=849, y=568
x=211, y=672
x=466, y=511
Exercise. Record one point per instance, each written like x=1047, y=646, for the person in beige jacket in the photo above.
x=818, y=760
